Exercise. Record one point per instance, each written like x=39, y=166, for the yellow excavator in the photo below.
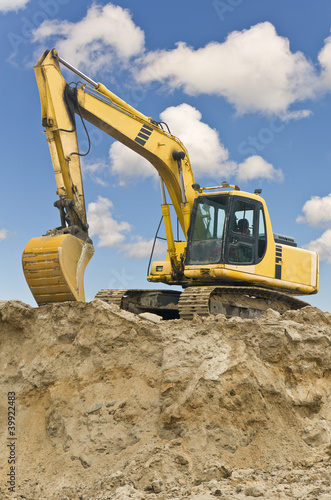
x=229, y=261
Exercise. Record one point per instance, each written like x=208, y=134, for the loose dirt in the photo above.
x=110, y=405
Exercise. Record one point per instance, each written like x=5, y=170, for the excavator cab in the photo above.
x=230, y=240
x=226, y=229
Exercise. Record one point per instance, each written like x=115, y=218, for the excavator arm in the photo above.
x=54, y=264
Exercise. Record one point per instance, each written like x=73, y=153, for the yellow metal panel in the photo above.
x=297, y=265
x=54, y=267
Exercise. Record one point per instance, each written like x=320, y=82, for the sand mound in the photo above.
x=109, y=405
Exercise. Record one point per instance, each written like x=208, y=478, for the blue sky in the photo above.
x=246, y=86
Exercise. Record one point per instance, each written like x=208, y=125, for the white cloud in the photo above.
x=254, y=70
x=317, y=211
x=4, y=234
x=209, y=158
x=255, y=167
x=139, y=248
x=295, y=115
x=109, y=232
x=322, y=246
x=105, y=35
x=128, y=165
x=324, y=58
x=94, y=171
x=7, y=5
x=113, y=234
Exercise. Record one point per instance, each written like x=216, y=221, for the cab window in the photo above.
x=246, y=242
x=262, y=239
x=241, y=238
x=207, y=230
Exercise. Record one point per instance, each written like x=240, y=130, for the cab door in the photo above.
x=207, y=230
x=246, y=238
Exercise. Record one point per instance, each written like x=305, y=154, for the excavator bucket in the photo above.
x=54, y=267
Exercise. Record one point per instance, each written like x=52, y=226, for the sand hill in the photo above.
x=110, y=405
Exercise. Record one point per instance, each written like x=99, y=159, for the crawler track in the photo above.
x=245, y=302
x=162, y=302
x=111, y=296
